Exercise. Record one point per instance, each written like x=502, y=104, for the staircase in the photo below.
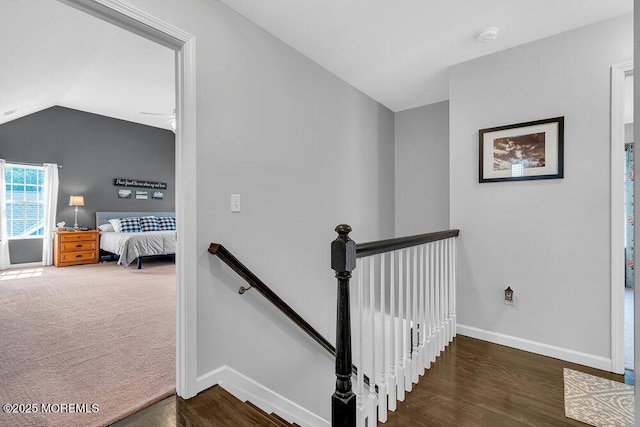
x=401, y=309
x=212, y=407
x=401, y=312
x=233, y=412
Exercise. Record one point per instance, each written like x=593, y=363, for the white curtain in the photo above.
x=4, y=235
x=50, y=207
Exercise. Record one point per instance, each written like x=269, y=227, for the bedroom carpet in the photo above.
x=89, y=334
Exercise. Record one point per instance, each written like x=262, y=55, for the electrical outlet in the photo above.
x=509, y=297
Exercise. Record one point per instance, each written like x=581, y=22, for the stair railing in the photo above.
x=257, y=284
x=404, y=310
x=404, y=317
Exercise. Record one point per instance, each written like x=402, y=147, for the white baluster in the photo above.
x=427, y=320
x=450, y=286
x=373, y=398
x=454, y=258
x=437, y=299
x=441, y=313
x=427, y=328
x=414, y=319
x=432, y=302
x=391, y=380
x=360, y=400
x=421, y=315
x=408, y=372
x=400, y=328
x=382, y=382
x=445, y=300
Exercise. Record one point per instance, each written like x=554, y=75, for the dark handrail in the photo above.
x=341, y=260
x=380, y=246
x=253, y=280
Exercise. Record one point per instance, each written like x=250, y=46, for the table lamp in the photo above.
x=76, y=201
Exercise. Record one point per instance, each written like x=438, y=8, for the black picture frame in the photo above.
x=522, y=151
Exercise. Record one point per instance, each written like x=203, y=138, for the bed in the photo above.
x=130, y=244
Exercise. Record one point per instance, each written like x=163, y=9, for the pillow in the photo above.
x=130, y=225
x=115, y=223
x=106, y=227
x=166, y=223
x=148, y=223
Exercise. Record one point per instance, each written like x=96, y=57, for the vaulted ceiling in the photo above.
x=396, y=52
x=53, y=54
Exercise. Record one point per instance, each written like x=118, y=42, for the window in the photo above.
x=25, y=201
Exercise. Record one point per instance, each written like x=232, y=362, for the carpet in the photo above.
x=85, y=345
x=597, y=401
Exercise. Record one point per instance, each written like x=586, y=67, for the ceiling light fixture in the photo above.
x=487, y=35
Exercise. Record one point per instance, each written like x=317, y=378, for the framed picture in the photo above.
x=524, y=151
x=142, y=195
x=157, y=195
x=124, y=194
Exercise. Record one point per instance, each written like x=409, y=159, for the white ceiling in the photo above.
x=397, y=52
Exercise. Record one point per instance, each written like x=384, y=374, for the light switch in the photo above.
x=235, y=203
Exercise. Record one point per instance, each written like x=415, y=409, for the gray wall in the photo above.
x=422, y=169
x=92, y=150
x=306, y=152
x=549, y=240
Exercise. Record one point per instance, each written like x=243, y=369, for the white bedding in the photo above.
x=130, y=246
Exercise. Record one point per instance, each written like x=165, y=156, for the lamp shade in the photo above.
x=76, y=201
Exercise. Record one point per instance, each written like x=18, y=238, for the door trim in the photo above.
x=184, y=45
x=618, y=74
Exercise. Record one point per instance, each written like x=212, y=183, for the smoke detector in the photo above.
x=487, y=35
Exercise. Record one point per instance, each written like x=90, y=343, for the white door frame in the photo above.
x=618, y=74
x=183, y=44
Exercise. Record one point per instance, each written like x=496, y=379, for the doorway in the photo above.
x=622, y=264
x=629, y=224
x=183, y=44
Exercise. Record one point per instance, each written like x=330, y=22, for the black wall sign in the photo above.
x=124, y=182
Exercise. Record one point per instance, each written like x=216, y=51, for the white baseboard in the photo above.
x=580, y=358
x=246, y=389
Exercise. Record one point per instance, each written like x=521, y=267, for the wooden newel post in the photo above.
x=343, y=261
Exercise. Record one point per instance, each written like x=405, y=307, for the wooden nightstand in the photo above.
x=75, y=247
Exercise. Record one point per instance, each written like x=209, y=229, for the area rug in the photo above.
x=85, y=345
x=597, y=401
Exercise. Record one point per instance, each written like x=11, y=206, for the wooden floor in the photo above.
x=474, y=383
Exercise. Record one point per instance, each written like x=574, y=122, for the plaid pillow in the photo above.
x=148, y=223
x=130, y=225
x=166, y=223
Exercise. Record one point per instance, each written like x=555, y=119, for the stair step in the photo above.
x=273, y=417
x=228, y=410
x=282, y=420
x=212, y=407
